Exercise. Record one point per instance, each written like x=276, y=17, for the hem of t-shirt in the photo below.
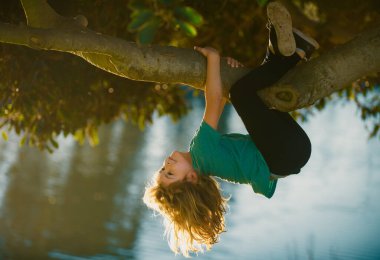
x=269, y=191
x=272, y=188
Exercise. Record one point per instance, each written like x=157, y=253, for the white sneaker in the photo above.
x=281, y=38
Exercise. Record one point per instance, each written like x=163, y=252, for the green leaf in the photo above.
x=49, y=149
x=146, y=35
x=79, y=136
x=189, y=14
x=54, y=143
x=141, y=122
x=140, y=19
x=31, y=142
x=22, y=141
x=262, y=2
x=188, y=28
x=93, y=137
x=4, y=135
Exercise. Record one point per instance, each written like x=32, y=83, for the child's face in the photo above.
x=175, y=168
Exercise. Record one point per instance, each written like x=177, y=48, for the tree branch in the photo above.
x=300, y=87
x=126, y=59
x=39, y=14
x=326, y=74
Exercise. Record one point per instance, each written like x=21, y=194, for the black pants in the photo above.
x=283, y=143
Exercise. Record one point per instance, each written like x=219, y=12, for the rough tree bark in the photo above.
x=300, y=87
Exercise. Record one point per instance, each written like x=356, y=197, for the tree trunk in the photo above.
x=300, y=87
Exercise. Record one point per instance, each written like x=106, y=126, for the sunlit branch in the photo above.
x=301, y=87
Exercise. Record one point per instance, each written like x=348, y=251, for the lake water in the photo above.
x=85, y=203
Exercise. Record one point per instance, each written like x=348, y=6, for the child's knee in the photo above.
x=303, y=151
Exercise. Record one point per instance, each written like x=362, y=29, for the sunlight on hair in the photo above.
x=193, y=212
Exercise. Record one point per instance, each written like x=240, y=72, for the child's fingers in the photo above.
x=200, y=49
x=197, y=48
x=231, y=62
x=205, y=51
x=234, y=63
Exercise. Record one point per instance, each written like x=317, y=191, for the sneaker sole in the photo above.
x=282, y=23
x=307, y=38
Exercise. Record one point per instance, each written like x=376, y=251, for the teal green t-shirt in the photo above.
x=232, y=157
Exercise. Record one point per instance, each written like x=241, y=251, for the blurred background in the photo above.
x=79, y=144
x=85, y=203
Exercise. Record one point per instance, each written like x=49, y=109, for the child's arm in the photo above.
x=213, y=90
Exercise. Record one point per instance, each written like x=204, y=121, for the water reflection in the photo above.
x=7, y=158
x=85, y=202
x=72, y=201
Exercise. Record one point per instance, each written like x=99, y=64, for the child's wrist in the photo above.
x=214, y=56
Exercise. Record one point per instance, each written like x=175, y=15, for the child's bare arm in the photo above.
x=213, y=90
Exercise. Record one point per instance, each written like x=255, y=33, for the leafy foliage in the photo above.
x=45, y=102
x=149, y=16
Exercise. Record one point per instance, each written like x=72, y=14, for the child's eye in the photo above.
x=169, y=173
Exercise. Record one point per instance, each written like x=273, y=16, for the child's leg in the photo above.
x=284, y=145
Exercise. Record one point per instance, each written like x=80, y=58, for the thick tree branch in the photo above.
x=126, y=59
x=326, y=74
x=300, y=87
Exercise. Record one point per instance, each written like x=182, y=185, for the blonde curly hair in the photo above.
x=193, y=212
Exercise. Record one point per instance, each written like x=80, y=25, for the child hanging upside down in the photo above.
x=184, y=192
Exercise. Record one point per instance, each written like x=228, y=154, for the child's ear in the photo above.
x=194, y=175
